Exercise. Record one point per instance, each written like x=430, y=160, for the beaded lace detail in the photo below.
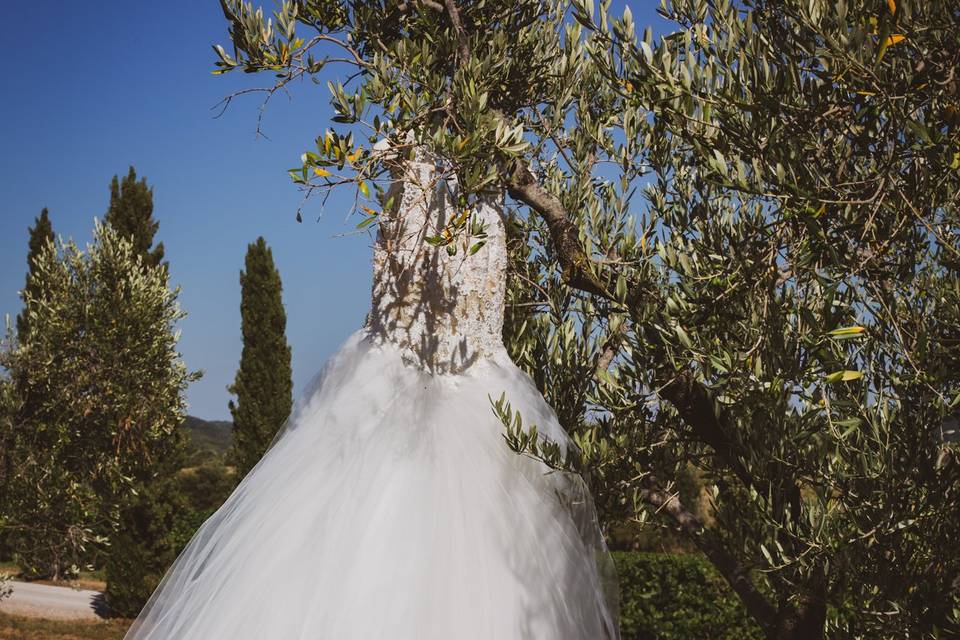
x=445, y=312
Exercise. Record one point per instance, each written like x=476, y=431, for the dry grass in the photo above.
x=21, y=628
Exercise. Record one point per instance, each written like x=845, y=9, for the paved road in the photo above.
x=42, y=600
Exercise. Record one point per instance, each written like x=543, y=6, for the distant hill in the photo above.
x=209, y=436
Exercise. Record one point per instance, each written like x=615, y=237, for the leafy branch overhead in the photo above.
x=738, y=251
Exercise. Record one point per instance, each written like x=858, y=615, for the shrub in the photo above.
x=678, y=597
x=203, y=489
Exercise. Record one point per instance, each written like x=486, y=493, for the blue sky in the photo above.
x=98, y=87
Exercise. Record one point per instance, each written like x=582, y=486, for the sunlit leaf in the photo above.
x=847, y=332
x=844, y=376
x=894, y=39
x=366, y=222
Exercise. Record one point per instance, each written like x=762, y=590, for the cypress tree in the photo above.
x=140, y=551
x=41, y=234
x=131, y=214
x=263, y=385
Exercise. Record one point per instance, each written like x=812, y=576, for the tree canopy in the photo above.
x=741, y=235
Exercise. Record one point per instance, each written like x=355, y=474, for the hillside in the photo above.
x=208, y=436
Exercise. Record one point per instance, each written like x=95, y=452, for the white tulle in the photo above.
x=390, y=507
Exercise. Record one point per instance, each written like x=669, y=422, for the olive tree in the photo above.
x=742, y=254
x=105, y=383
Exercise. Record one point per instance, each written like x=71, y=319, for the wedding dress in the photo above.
x=389, y=506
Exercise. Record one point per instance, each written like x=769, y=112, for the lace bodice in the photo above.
x=445, y=312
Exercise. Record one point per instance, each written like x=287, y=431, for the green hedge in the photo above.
x=677, y=597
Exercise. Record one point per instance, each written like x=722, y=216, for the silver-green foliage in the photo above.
x=98, y=386
x=742, y=253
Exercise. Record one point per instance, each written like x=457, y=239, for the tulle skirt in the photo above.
x=390, y=507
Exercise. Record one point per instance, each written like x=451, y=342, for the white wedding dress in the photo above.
x=390, y=507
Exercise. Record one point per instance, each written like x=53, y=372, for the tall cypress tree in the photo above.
x=139, y=552
x=41, y=234
x=131, y=214
x=263, y=385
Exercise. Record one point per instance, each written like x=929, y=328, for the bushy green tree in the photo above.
x=263, y=385
x=747, y=230
x=130, y=213
x=106, y=386
x=41, y=234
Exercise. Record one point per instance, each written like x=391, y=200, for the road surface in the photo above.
x=46, y=601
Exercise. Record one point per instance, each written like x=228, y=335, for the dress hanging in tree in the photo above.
x=389, y=506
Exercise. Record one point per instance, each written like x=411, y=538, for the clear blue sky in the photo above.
x=97, y=87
